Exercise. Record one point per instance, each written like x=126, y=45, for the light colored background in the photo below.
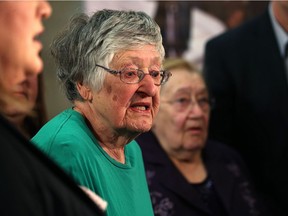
x=54, y=97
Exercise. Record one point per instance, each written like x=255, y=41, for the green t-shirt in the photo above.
x=68, y=140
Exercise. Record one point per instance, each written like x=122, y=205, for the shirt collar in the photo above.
x=281, y=35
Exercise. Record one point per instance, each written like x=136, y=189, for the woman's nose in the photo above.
x=195, y=110
x=44, y=9
x=147, y=85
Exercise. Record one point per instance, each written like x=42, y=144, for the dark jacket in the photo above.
x=172, y=194
x=32, y=185
x=246, y=75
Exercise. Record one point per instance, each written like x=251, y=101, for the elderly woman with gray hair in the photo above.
x=110, y=65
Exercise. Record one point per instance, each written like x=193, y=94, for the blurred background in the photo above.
x=185, y=27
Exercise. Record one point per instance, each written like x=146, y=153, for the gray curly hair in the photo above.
x=88, y=41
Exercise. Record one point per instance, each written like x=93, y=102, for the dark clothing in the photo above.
x=210, y=197
x=32, y=185
x=173, y=195
x=246, y=75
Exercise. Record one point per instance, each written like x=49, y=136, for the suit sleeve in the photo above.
x=220, y=84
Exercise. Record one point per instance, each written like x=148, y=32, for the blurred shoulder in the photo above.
x=220, y=151
x=244, y=32
x=147, y=140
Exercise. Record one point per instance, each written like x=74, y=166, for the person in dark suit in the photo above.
x=245, y=72
x=30, y=183
x=186, y=173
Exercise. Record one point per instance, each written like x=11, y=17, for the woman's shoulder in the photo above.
x=62, y=131
x=221, y=151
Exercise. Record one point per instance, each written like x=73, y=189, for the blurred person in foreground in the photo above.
x=30, y=183
x=246, y=72
x=186, y=173
x=110, y=65
x=31, y=122
x=28, y=121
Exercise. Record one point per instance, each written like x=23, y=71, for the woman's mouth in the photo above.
x=21, y=95
x=142, y=108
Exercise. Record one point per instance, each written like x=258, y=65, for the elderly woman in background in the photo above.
x=188, y=175
x=110, y=65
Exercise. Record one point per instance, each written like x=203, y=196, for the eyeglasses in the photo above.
x=183, y=103
x=132, y=76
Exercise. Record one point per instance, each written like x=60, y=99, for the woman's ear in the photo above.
x=84, y=91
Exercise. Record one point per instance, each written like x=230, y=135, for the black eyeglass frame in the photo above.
x=165, y=75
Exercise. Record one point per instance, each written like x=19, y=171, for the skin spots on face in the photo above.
x=115, y=98
x=109, y=89
x=129, y=108
x=109, y=92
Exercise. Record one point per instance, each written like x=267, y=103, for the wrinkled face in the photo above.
x=130, y=107
x=182, y=122
x=20, y=63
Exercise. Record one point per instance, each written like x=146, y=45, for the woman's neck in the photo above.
x=193, y=170
x=115, y=153
x=112, y=142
